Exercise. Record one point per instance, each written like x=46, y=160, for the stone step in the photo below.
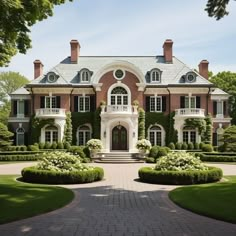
x=118, y=161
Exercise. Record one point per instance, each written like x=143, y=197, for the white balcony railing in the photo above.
x=190, y=112
x=124, y=109
x=50, y=112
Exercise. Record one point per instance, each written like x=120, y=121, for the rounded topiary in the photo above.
x=196, y=146
x=201, y=145
x=33, y=148
x=207, y=148
x=150, y=160
x=60, y=145
x=67, y=145
x=154, y=151
x=190, y=146
x=54, y=145
x=163, y=151
x=171, y=146
x=178, y=146
x=184, y=146
x=41, y=145
x=47, y=145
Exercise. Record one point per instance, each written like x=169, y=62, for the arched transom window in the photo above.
x=119, y=96
x=84, y=135
x=156, y=135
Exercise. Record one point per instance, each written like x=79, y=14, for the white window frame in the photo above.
x=219, y=109
x=21, y=132
x=84, y=99
x=189, y=130
x=155, y=76
x=155, y=103
x=188, y=102
x=51, y=134
x=84, y=76
x=109, y=93
x=84, y=132
x=20, y=114
x=51, y=102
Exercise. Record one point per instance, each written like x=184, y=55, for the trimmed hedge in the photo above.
x=19, y=157
x=33, y=175
x=220, y=158
x=149, y=175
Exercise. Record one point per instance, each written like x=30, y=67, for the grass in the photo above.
x=216, y=200
x=22, y=200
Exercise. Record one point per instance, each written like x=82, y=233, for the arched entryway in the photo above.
x=119, y=138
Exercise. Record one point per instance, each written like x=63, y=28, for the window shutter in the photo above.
x=92, y=103
x=15, y=107
x=215, y=139
x=163, y=103
x=75, y=103
x=42, y=102
x=198, y=102
x=26, y=107
x=214, y=107
x=182, y=102
x=148, y=104
x=58, y=102
x=26, y=138
x=225, y=108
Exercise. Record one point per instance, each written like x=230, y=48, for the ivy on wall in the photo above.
x=141, y=124
x=68, y=129
x=207, y=136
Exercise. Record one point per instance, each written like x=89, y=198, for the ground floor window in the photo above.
x=155, y=135
x=51, y=134
x=189, y=135
x=20, y=136
x=84, y=135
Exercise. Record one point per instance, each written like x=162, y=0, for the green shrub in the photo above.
x=78, y=150
x=34, y=175
x=222, y=148
x=150, y=160
x=20, y=157
x=34, y=148
x=86, y=151
x=60, y=145
x=47, y=145
x=150, y=175
x=54, y=145
x=207, y=148
x=154, y=151
x=201, y=145
x=196, y=146
x=171, y=146
x=217, y=158
x=190, y=146
x=67, y=145
x=163, y=151
x=41, y=145
x=184, y=146
x=178, y=146
x=11, y=148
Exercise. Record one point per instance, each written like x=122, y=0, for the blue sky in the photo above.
x=134, y=27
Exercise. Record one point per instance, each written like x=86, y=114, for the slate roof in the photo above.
x=171, y=73
x=20, y=91
x=218, y=91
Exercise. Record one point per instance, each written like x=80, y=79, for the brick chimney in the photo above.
x=75, y=51
x=38, y=68
x=203, y=68
x=167, y=50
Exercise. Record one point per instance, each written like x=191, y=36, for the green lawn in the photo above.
x=216, y=200
x=21, y=200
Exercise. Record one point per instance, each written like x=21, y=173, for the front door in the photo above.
x=119, y=138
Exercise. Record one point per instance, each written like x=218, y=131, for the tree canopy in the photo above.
x=226, y=81
x=5, y=137
x=16, y=18
x=217, y=8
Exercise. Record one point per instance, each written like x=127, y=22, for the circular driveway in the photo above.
x=118, y=205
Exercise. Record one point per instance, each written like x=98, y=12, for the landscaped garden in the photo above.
x=22, y=200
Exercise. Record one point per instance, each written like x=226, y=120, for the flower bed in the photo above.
x=61, y=168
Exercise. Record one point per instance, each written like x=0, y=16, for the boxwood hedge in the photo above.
x=19, y=157
x=149, y=175
x=33, y=175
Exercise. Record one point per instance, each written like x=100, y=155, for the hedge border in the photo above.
x=27, y=157
x=33, y=175
x=149, y=175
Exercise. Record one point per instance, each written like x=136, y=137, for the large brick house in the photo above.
x=102, y=93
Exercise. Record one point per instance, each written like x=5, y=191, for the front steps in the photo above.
x=119, y=158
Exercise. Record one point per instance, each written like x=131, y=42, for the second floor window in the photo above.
x=83, y=103
x=50, y=102
x=190, y=102
x=156, y=104
x=20, y=108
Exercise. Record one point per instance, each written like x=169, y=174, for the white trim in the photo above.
x=123, y=76
x=162, y=131
x=155, y=72
x=83, y=74
x=78, y=130
x=22, y=132
x=84, y=103
x=155, y=97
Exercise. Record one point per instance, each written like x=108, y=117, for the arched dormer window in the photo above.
x=155, y=76
x=85, y=76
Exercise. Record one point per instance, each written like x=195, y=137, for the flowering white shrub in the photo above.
x=143, y=144
x=61, y=162
x=94, y=144
x=178, y=161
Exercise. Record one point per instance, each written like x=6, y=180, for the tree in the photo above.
x=226, y=81
x=16, y=18
x=68, y=129
x=217, y=8
x=5, y=137
x=9, y=82
x=229, y=139
x=4, y=112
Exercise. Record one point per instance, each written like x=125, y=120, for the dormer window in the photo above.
x=85, y=76
x=51, y=77
x=190, y=77
x=155, y=76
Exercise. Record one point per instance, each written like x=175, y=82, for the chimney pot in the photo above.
x=75, y=50
x=203, y=68
x=38, y=68
x=167, y=50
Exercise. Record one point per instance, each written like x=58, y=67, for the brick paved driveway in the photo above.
x=119, y=205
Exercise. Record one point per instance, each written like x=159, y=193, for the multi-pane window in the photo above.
x=20, y=108
x=85, y=76
x=119, y=96
x=20, y=136
x=156, y=104
x=155, y=135
x=190, y=102
x=220, y=110
x=50, y=102
x=51, y=134
x=189, y=135
x=155, y=76
x=84, y=104
x=84, y=135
